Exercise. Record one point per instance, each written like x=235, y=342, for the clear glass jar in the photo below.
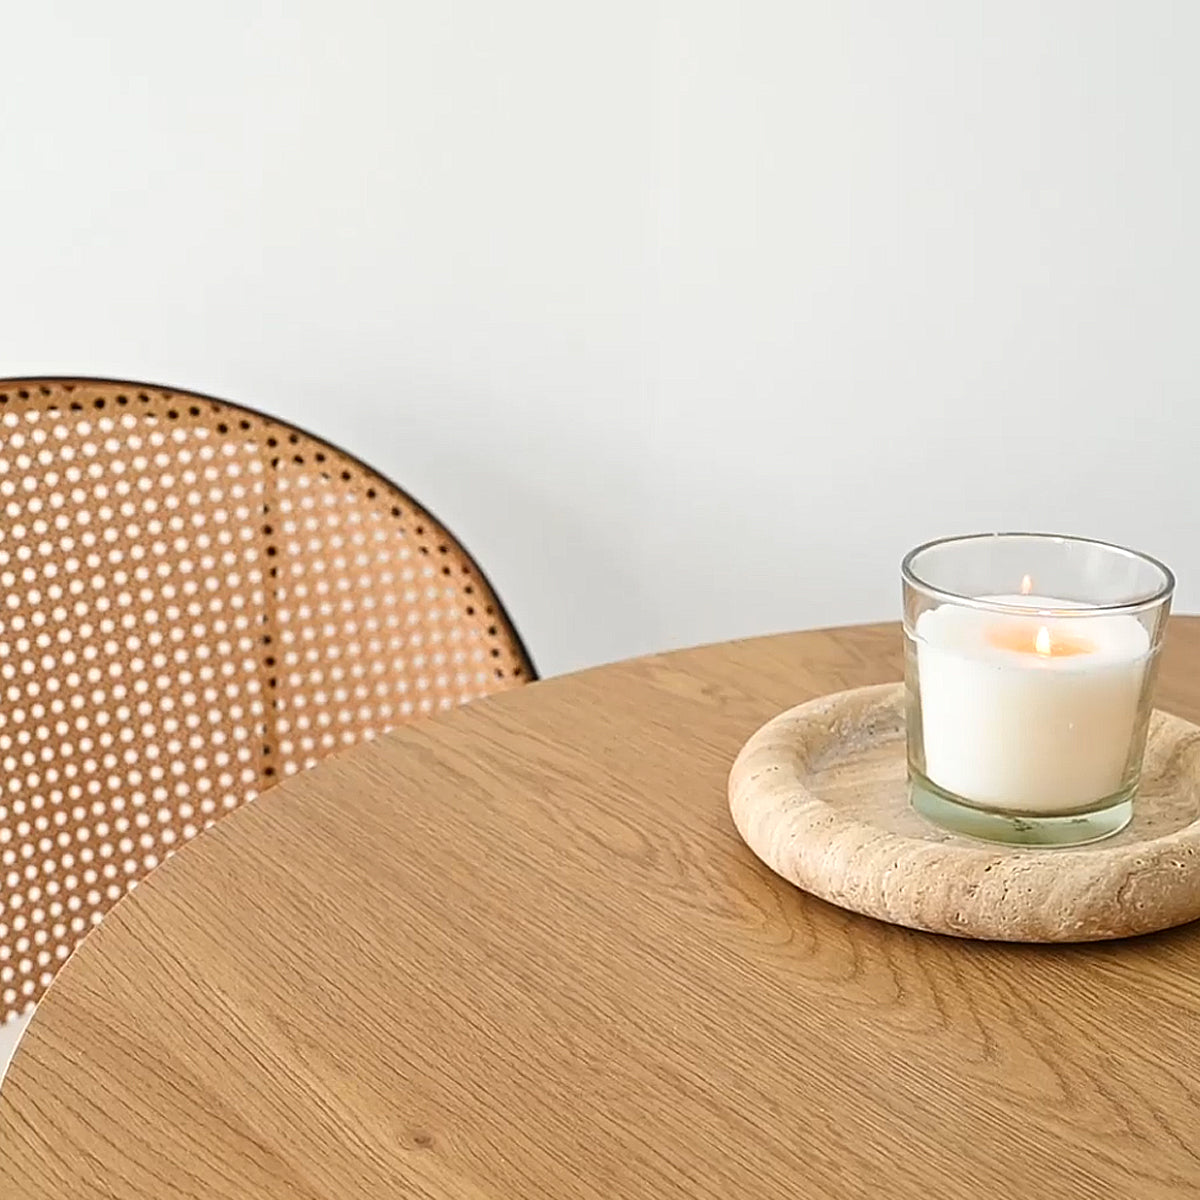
x=1029, y=665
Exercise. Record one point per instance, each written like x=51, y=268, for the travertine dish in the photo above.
x=819, y=793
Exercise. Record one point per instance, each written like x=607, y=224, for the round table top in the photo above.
x=519, y=951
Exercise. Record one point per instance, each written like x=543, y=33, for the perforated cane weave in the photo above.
x=195, y=601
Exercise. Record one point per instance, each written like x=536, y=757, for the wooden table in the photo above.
x=518, y=951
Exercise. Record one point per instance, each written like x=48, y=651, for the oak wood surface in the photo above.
x=520, y=951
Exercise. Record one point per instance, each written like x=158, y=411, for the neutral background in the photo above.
x=689, y=317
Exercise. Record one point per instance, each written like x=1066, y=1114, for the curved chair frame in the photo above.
x=196, y=599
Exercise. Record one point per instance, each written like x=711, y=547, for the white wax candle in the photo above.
x=1030, y=713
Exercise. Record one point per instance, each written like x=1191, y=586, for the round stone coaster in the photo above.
x=820, y=794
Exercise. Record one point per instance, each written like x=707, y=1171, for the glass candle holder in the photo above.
x=1029, y=665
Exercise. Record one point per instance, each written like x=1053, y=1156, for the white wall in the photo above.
x=688, y=316
x=10, y=1035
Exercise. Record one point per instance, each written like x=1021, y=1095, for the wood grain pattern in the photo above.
x=520, y=951
x=820, y=794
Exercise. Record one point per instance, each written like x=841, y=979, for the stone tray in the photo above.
x=819, y=794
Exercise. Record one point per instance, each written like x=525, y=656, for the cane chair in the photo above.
x=196, y=601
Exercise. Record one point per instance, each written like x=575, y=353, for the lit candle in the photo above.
x=1029, y=713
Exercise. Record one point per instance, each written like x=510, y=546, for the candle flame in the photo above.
x=1026, y=585
x=1020, y=637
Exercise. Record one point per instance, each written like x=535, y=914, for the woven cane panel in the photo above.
x=194, y=602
